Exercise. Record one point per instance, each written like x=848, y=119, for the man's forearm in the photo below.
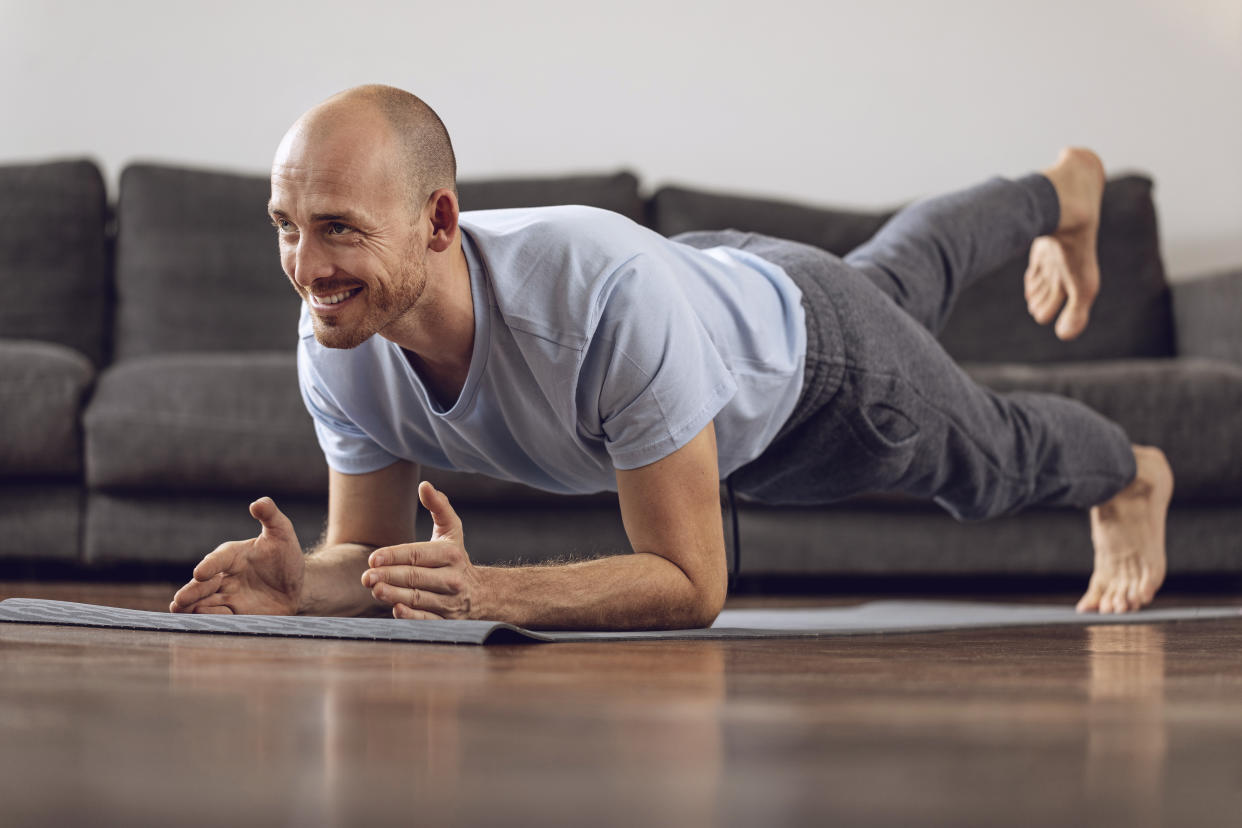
x=333, y=582
x=626, y=592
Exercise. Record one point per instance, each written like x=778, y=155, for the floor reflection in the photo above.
x=1127, y=740
x=444, y=733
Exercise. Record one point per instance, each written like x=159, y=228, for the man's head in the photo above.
x=363, y=193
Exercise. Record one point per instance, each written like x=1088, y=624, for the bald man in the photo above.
x=573, y=350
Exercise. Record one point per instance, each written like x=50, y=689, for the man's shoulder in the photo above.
x=568, y=236
x=565, y=219
x=551, y=268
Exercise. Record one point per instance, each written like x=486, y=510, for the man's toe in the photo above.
x=1090, y=601
x=1073, y=320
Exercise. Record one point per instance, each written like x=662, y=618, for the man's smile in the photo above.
x=335, y=300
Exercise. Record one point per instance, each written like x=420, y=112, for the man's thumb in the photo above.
x=437, y=503
x=275, y=524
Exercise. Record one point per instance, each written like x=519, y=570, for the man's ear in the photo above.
x=442, y=212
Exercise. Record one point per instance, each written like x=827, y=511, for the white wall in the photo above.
x=829, y=101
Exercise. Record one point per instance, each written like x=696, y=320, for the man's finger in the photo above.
x=275, y=525
x=193, y=592
x=402, y=611
x=227, y=557
x=416, y=599
x=436, y=502
x=444, y=580
x=428, y=554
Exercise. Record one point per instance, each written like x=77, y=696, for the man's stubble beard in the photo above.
x=385, y=305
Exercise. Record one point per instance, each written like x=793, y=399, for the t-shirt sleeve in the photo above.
x=346, y=447
x=659, y=376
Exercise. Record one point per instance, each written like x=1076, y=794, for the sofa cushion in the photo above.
x=1186, y=407
x=1132, y=317
x=181, y=527
x=870, y=539
x=191, y=242
x=203, y=422
x=40, y=522
x=617, y=192
x=680, y=210
x=42, y=388
x=1208, y=314
x=197, y=267
x=53, y=258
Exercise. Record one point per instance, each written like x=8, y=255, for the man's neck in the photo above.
x=439, y=340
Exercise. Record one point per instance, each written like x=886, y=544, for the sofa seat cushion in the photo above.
x=42, y=389
x=203, y=422
x=1186, y=407
x=40, y=522
x=231, y=423
x=872, y=539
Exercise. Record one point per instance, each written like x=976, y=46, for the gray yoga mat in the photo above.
x=865, y=619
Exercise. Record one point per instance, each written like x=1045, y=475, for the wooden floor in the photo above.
x=1131, y=725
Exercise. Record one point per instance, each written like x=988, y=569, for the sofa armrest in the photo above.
x=1208, y=316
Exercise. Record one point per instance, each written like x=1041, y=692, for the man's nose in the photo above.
x=310, y=262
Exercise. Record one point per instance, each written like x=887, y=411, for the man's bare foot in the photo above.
x=1128, y=534
x=1063, y=270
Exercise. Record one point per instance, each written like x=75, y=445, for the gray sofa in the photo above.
x=148, y=390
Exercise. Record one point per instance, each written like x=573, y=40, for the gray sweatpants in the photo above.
x=885, y=409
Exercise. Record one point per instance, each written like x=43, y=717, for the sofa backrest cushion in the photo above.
x=196, y=265
x=53, y=255
x=1132, y=317
x=617, y=192
x=680, y=210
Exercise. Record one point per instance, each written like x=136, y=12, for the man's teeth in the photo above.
x=336, y=297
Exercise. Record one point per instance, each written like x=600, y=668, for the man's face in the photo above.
x=348, y=237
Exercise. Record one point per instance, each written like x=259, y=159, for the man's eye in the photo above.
x=283, y=225
x=337, y=229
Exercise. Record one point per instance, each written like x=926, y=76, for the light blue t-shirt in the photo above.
x=598, y=345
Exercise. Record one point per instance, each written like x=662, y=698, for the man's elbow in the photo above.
x=709, y=600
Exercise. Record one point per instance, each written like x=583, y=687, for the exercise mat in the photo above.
x=864, y=619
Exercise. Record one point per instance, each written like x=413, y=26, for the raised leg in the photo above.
x=903, y=417
x=932, y=250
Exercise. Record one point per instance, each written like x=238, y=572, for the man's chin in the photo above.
x=340, y=337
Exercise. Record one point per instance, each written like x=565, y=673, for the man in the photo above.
x=573, y=350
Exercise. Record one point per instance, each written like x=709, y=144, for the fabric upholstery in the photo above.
x=182, y=528
x=203, y=422
x=871, y=539
x=1132, y=317
x=197, y=267
x=680, y=209
x=191, y=243
x=1208, y=312
x=42, y=390
x=40, y=521
x=617, y=192
x=1188, y=408
x=176, y=528
x=53, y=258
